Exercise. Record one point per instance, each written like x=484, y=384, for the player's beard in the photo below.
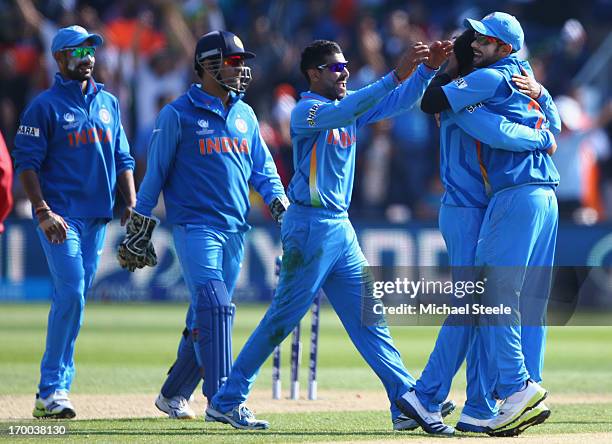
x=80, y=69
x=340, y=88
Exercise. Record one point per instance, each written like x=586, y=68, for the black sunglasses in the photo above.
x=334, y=67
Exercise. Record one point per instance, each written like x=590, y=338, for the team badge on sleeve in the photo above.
x=461, y=83
x=241, y=125
x=28, y=131
x=69, y=117
x=105, y=116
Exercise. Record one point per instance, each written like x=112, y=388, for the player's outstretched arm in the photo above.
x=500, y=133
x=405, y=96
x=316, y=115
x=410, y=60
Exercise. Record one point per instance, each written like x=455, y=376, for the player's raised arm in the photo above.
x=328, y=103
x=422, y=62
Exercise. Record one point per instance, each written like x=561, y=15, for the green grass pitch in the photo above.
x=128, y=348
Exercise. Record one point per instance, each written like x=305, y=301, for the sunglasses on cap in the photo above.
x=334, y=67
x=233, y=61
x=81, y=51
x=482, y=39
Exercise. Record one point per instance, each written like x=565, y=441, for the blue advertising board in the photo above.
x=24, y=275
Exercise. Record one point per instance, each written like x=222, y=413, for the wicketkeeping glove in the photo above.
x=136, y=250
x=278, y=207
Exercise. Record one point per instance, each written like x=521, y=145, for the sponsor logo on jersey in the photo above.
x=241, y=125
x=105, y=116
x=311, y=114
x=203, y=123
x=70, y=121
x=340, y=137
x=461, y=83
x=89, y=135
x=28, y=131
x=223, y=145
x=472, y=108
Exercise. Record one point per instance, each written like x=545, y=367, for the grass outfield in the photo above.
x=128, y=348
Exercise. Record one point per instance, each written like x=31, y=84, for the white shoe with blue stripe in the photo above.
x=404, y=423
x=432, y=423
x=470, y=424
x=56, y=405
x=239, y=417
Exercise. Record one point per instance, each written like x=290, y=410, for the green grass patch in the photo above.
x=305, y=427
x=127, y=348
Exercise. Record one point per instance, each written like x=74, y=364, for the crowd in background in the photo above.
x=147, y=61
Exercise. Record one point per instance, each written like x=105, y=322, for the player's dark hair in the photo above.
x=316, y=53
x=464, y=52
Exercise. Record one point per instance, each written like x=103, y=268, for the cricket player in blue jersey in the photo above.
x=71, y=153
x=522, y=235
x=320, y=248
x=205, y=150
x=463, y=207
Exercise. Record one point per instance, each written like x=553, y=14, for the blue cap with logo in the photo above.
x=500, y=25
x=73, y=36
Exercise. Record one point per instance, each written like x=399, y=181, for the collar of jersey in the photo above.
x=201, y=99
x=512, y=59
x=312, y=95
x=92, y=86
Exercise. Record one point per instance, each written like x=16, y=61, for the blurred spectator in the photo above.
x=570, y=54
x=582, y=144
x=148, y=58
x=140, y=147
x=6, y=183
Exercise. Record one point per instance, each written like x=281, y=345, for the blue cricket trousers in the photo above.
x=516, y=249
x=320, y=250
x=204, y=254
x=460, y=227
x=73, y=266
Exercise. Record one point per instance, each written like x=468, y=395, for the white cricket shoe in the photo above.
x=470, y=424
x=432, y=423
x=404, y=423
x=530, y=418
x=240, y=417
x=517, y=404
x=176, y=407
x=56, y=405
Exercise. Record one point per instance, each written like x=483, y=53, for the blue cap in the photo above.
x=500, y=25
x=73, y=36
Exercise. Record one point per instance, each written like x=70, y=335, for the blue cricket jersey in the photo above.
x=203, y=157
x=324, y=135
x=76, y=145
x=492, y=86
x=461, y=171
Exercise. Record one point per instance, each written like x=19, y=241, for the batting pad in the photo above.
x=184, y=375
x=214, y=319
